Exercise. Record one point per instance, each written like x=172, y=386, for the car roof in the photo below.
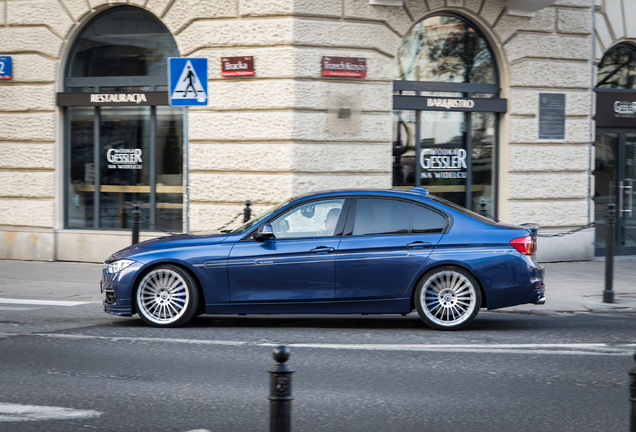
x=413, y=192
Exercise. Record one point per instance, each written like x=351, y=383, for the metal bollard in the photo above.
x=632, y=397
x=136, y=223
x=610, y=222
x=247, y=211
x=483, y=210
x=280, y=392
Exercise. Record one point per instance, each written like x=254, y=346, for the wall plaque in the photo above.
x=551, y=116
x=237, y=66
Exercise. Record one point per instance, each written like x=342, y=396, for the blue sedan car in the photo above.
x=340, y=252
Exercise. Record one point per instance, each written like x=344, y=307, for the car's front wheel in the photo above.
x=448, y=298
x=167, y=296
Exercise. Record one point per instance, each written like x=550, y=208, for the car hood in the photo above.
x=167, y=242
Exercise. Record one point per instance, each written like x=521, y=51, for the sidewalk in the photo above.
x=570, y=286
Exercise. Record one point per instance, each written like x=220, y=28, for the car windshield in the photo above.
x=265, y=215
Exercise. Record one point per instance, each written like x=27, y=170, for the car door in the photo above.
x=385, y=244
x=298, y=264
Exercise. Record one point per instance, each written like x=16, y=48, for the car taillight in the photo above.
x=524, y=245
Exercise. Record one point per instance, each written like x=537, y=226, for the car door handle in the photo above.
x=323, y=250
x=419, y=245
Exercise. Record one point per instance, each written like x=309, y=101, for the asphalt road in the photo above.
x=74, y=368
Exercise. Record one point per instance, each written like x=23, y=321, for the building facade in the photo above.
x=488, y=103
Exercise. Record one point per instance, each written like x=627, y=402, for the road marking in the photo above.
x=42, y=302
x=16, y=412
x=553, y=349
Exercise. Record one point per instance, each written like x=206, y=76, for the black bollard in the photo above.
x=610, y=221
x=136, y=222
x=247, y=211
x=280, y=392
x=483, y=210
x=632, y=397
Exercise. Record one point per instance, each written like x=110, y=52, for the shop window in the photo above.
x=120, y=155
x=446, y=105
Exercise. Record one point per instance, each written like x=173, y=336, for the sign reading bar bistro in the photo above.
x=112, y=99
x=449, y=104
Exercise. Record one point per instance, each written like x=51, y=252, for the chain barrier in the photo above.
x=155, y=226
x=591, y=224
x=230, y=222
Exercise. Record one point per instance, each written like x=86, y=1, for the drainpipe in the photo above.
x=591, y=153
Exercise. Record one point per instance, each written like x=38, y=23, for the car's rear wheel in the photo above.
x=448, y=298
x=167, y=296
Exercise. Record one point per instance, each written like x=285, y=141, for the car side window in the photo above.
x=375, y=216
x=314, y=219
x=427, y=221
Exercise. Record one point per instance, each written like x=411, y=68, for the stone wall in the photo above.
x=276, y=134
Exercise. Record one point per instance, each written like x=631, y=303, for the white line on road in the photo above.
x=563, y=349
x=16, y=412
x=42, y=302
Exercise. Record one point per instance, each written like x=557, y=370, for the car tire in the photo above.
x=448, y=298
x=167, y=296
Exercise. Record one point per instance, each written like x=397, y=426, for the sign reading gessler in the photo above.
x=615, y=108
x=443, y=163
x=237, y=66
x=352, y=67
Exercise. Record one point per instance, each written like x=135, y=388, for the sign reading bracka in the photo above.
x=352, y=67
x=237, y=66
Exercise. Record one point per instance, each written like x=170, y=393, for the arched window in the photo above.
x=446, y=100
x=445, y=49
x=618, y=68
x=123, y=141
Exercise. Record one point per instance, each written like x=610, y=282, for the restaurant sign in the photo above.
x=124, y=159
x=237, y=66
x=615, y=109
x=443, y=163
x=113, y=99
x=351, y=67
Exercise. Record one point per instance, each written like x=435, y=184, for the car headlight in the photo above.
x=117, y=266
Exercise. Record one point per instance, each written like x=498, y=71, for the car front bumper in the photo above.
x=117, y=289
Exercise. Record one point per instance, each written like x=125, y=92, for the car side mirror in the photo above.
x=264, y=232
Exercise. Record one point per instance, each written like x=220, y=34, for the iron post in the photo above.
x=280, y=392
x=610, y=222
x=483, y=210
x=247, y=211
x=632, y=397
x=136, y=223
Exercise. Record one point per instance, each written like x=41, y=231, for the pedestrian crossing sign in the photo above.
x=188, y=78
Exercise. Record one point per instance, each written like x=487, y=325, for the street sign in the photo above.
x=188, y=78
x=5, y=67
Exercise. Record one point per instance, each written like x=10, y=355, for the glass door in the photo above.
x=614, y=175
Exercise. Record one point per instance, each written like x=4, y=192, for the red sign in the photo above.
x=237, y=66
x=344, y=67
